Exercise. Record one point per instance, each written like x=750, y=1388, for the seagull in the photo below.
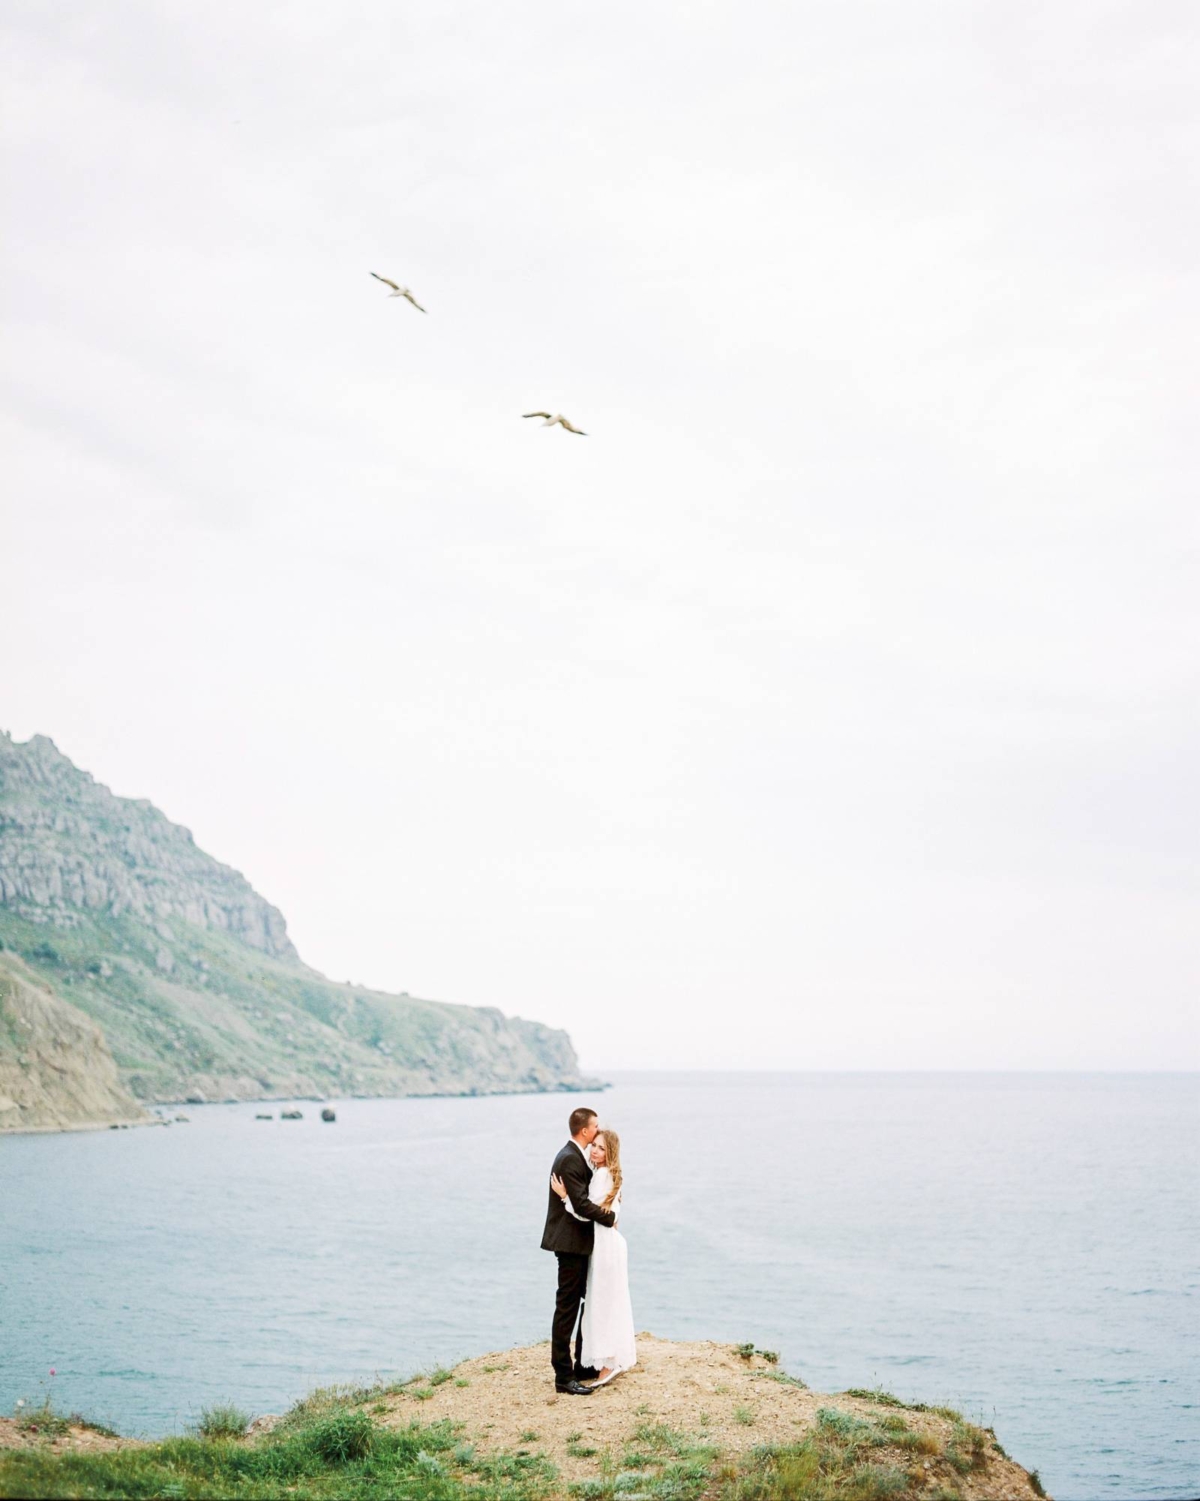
x=559, y=419
x=398, y=291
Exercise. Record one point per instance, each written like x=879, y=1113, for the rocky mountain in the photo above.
x=191, y=976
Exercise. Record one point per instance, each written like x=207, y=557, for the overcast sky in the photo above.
x=832, y=703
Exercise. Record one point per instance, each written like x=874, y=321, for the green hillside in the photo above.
x=192, y=977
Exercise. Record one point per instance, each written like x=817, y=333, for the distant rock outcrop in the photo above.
x=68, y=844
x=56, y=1071
x=192, y=977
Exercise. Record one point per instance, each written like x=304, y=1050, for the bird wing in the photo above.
x=571, y=429
x=413, y=300
x=385, y=281
x=546, y=415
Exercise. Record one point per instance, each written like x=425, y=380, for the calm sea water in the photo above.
x=1023, y=1247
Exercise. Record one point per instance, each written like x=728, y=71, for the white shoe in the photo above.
x=604, y=1380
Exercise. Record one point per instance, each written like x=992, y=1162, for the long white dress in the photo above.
x=607, y=1312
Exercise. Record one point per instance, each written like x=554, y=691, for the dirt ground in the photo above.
x=705, y=1390
x=79, y=1439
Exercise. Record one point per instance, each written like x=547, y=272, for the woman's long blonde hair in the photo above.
x=612, y=1160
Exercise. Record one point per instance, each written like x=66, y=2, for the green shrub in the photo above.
x=224, y=1421
x=342, y=1437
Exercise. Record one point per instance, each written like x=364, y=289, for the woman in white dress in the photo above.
x=608, y=1342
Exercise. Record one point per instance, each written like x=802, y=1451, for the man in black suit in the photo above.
x=571, y=1241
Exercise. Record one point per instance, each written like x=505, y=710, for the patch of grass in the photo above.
x=968, y=1447
x=342, y=1436
x=784, y=1379
x=529, y=1437
x=222, y=1421
x=642, y=1410
x=635, y=1460
x=441, y=1376
x=92, y=1427
x=875, y=1394
x=687, y=1477
x=822, y=1468
x=951, y=1414
x=490, y=1370
x=744, y=1416
x=1035, y=1481
x=45, y=1421
x=581, y=1451
x=340, y=1455
x=659, y=1438
x=461, y=1381
x=748, y=1350
x=320, y=1403
x=641, y=1483
x=842, y=1425
x=422, y=1393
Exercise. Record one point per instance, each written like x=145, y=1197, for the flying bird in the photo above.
x=398, y=291
x=559, y=419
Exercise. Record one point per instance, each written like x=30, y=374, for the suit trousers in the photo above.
x=572, y=1284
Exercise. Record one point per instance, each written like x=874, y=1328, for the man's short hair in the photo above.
x=579, y=1119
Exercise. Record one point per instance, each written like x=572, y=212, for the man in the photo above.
x=571, y=1241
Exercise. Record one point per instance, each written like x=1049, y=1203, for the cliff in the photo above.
x=191, y=975
x=689, y=1422
x=68, y=845
x=56, y=1072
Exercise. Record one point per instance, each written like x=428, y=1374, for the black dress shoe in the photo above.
x=586, y=1373
x=572, y=1389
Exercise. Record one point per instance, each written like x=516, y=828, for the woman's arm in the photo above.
x=560, y=1189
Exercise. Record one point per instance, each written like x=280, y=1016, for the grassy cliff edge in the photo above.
x=691, y=1422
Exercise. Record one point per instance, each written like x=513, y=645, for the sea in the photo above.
x=1023, y=1247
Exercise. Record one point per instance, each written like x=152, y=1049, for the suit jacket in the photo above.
x=563, y=1231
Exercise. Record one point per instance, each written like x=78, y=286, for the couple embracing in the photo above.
x=593, y=1264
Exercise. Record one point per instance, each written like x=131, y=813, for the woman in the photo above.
x=608, y=1343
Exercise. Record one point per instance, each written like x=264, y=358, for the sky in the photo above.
x=832, y=703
